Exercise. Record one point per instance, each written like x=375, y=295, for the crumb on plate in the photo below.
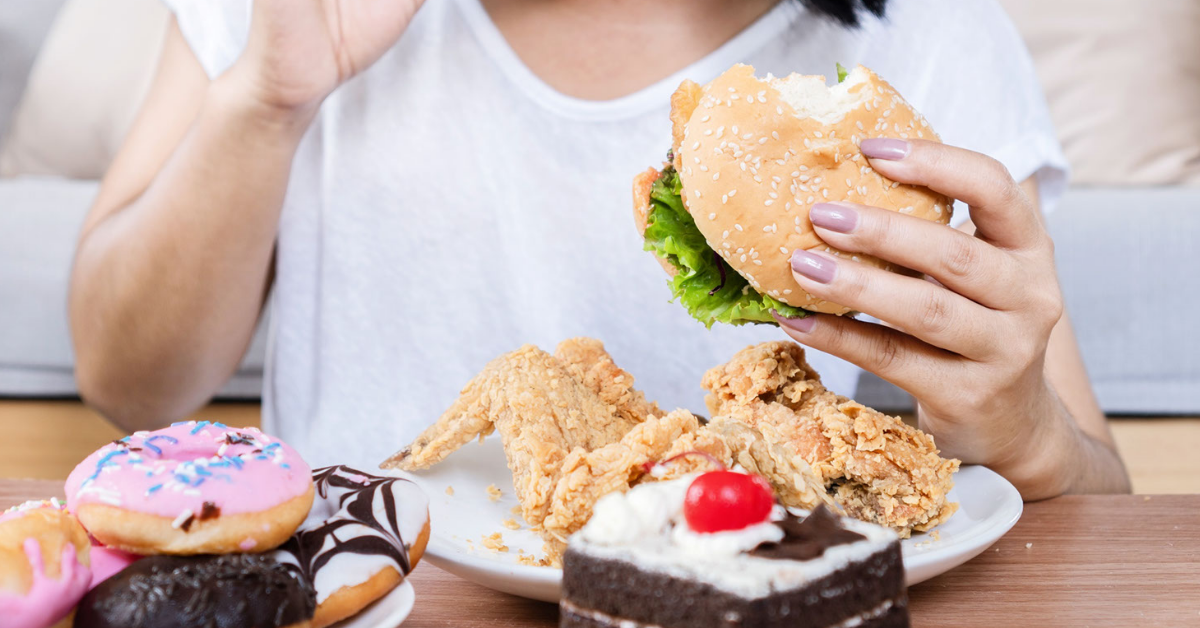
x=511, y=524
x=532, y=559
x=495, y=542
x=450, y=491
x=494, y=492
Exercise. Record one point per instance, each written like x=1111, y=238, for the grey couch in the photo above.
x=1127, y=264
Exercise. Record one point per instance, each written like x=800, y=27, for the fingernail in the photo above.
x=834, y=217
x=813, y=266
x=802, y=325
x=885, y=148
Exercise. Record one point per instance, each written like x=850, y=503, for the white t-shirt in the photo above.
x=448, y=206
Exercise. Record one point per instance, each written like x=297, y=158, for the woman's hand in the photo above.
x=970, y=344
x=299, y=51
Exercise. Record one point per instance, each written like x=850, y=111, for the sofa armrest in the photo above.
x=40, y=218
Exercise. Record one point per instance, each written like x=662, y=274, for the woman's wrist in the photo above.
x=1044, y=462
x=236, y=93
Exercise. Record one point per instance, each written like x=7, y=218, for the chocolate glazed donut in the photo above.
x=230, y=591
x=364, y=535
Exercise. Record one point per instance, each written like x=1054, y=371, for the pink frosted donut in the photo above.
x=43, y=565
x=192, y=488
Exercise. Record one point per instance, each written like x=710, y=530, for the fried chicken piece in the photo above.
x=877, y=468
x=574, y=429
x=586, y=476
x=586, y=359
x=795, y=484
x=527, y=389
x=542, y=411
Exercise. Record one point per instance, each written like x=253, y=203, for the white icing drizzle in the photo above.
x=359, y=524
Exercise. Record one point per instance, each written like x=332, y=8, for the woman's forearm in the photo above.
x=166, y=289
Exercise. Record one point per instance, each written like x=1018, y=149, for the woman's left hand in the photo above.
x=970, y=345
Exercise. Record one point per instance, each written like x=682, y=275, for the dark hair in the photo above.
x=846, y=11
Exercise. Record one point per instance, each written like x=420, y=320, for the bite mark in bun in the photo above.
x=750, y=158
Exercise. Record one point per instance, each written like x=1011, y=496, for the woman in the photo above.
x=420, y=189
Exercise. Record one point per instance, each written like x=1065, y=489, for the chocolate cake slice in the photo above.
x=639, y=562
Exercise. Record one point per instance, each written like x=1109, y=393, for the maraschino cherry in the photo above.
x=719, y=501
x=726, y=500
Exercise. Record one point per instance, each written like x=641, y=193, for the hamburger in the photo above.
x=749, y=158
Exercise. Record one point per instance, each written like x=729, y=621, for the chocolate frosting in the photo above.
x=356, y=529
x=808, y=538
x=231, y=591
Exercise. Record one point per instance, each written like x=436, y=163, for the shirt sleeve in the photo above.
x=215, y=30
x=963, y=64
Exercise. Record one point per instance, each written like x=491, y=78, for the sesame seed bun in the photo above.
x=754, y=155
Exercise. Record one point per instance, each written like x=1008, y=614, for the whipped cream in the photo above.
x=655, y=511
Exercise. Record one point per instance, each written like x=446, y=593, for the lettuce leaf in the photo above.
x=842, y=73
x=711, y=291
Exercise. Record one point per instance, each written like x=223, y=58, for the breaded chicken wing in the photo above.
x=527, y=389
x=574, y=429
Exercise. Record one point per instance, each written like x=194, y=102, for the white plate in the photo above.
x=988, y=507
x=386, y=612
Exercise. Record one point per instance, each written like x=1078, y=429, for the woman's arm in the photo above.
x=172, y=263
x=985, y=348
x=174, y=258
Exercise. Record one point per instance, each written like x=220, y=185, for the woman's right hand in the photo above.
x=299, y=51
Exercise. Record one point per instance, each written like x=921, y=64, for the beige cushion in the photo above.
x=85, y=88
x=1123, y=81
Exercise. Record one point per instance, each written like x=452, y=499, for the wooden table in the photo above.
x=1124, y=561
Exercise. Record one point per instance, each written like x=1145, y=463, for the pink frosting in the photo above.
x=106, y=562
x=21, y=510
x=174, y=471
x=47, y=600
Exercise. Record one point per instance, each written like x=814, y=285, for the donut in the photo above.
x=192, y=488
x=230, y=591
x=43, y=565
x=364, y=534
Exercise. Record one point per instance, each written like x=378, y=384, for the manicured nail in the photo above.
x=802, y=325
x=885, y=148
x=834, y=217
x=813, y=266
